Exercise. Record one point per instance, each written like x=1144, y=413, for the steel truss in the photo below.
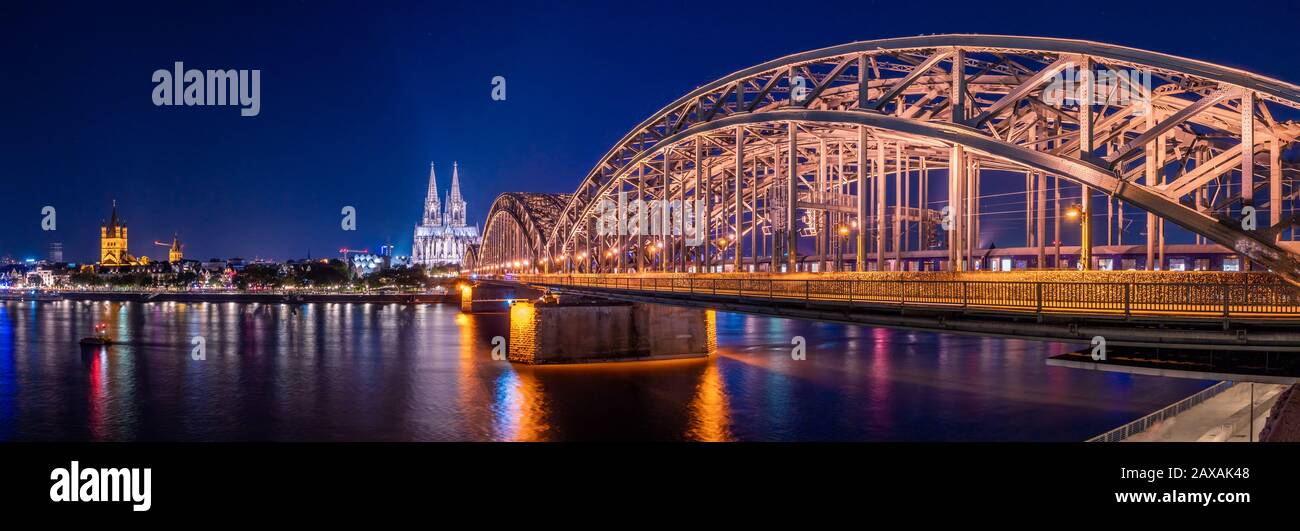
x=860, y=127
x=516, y=228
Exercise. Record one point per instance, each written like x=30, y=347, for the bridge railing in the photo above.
x=1128, y=298
x=1168, y=412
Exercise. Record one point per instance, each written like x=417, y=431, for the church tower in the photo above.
x=112, y=242
x=175, y=254
x=432, y=207
x=456, y=205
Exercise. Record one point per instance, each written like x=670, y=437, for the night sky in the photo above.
x=358, y=98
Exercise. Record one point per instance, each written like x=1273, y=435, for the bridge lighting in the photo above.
x=659, y=245
x=1073, y=212
x=609, y=254
x=525, y=262
x=844, y=230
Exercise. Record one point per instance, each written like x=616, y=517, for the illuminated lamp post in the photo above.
x=1085, y=229
x=843, y=231
x=723, y=244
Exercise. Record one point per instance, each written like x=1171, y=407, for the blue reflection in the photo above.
x=8, y=375
x=507, y=406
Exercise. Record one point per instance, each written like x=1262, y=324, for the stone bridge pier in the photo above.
x=585, y=330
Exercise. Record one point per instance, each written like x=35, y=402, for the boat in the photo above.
x=99, y=339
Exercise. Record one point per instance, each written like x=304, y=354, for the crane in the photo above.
x=175, y=249
x=345, y=252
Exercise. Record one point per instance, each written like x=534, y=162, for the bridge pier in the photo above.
x=594, y=330
x=492, y=298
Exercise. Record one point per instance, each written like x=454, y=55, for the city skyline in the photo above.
x=300, y=255
x=457, y=213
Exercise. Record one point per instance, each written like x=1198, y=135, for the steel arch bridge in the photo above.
x=831, y=151
x=516, y=229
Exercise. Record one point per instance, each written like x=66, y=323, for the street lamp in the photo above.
x=723, y=244
x=843, y=231
x=1085, y=240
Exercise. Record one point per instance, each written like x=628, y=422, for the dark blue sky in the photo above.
x=358, y=98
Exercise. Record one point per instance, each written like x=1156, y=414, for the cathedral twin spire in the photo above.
x=454, y=215
x=432, y=207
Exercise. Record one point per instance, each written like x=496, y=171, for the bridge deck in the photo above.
x=1256, y=317
x=1181, y=300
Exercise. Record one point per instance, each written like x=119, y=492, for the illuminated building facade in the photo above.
x=113, y=243
x=175, y=254
x=443, y=236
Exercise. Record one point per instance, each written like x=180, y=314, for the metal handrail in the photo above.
x=1170, y=411
x=1121, y=299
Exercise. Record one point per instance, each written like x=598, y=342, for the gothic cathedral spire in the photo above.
x=432, y=206
x=456, y=206
x=455, y=181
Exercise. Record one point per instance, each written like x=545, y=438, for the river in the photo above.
x=394, y=372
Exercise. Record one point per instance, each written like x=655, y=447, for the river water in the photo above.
x=381, y=372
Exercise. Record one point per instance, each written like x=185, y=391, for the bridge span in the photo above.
x=1197, y=312
x=871, y=183
x=952, y=143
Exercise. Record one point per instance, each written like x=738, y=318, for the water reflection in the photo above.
x=709, y=417
x=8, y=376
x=397, y=372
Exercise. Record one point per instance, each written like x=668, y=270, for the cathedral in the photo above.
x=442, y=236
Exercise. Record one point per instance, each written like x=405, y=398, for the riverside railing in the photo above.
x=1145, y=423
x=1111, y=298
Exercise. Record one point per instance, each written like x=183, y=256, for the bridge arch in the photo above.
x=865, y=120
x=517, y=224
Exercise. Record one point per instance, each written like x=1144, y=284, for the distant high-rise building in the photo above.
x=56, y=252
x=442, y=237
